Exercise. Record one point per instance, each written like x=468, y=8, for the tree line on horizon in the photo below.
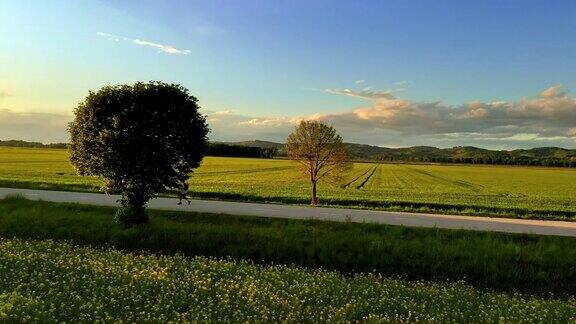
x=233, y=150
x=214, y=149
x=21, y=143
x=544, y=156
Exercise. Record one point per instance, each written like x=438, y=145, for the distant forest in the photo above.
x=542, y=156
x=231, y=150
x=19, y=143
x=214, y=149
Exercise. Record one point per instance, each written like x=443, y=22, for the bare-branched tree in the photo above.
x=319, y=152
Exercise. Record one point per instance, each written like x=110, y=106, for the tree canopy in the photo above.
x=142, y=139
x=319, y=152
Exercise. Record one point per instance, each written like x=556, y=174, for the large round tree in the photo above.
x=142, y=139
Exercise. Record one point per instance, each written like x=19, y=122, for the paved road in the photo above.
x=304, y=212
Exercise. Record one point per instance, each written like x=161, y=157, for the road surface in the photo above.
x=304, y=212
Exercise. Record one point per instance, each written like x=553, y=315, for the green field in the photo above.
x=63, y=262
x=499, y=190
x=540, y=265
x=44, y=281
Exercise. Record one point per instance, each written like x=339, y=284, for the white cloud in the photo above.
x=169, y=49
x=554, y=91
x=111, y=37
x=366, y=93
x=163, y=48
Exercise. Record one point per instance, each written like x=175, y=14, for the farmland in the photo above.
x=531, y=191
x=70, y=262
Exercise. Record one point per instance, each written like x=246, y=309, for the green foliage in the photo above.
x=140, y=138
x=503, y=191
x=488, y=261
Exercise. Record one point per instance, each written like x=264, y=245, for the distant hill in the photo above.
x=543, y=156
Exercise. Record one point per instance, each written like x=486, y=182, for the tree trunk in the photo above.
x=139, y=215
x=135, y=203
x=314, y=197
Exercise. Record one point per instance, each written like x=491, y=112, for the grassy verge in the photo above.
x=402, y=206
x=491, y=261
x=45, y=281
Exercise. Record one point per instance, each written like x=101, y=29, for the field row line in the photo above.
x=368, y=178
x=356, y=179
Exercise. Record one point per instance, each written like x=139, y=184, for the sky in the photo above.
x=494, y=73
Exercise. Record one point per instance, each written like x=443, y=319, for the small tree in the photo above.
x=141, y=139
x=319, y=152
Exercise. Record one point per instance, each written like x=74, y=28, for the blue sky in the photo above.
x=268, y=64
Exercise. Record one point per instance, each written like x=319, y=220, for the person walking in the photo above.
x=183, y=194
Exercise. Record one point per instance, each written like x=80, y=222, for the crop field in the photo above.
x=526, y=191
x=45, y=281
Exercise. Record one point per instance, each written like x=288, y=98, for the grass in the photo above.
x=45, y=281
x=530, y=192
x=536, y=265
x=68, y=262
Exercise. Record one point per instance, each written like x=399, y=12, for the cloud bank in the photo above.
x=546, y=119
x=168, y=49
x=551, y=113
x=40, y=127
